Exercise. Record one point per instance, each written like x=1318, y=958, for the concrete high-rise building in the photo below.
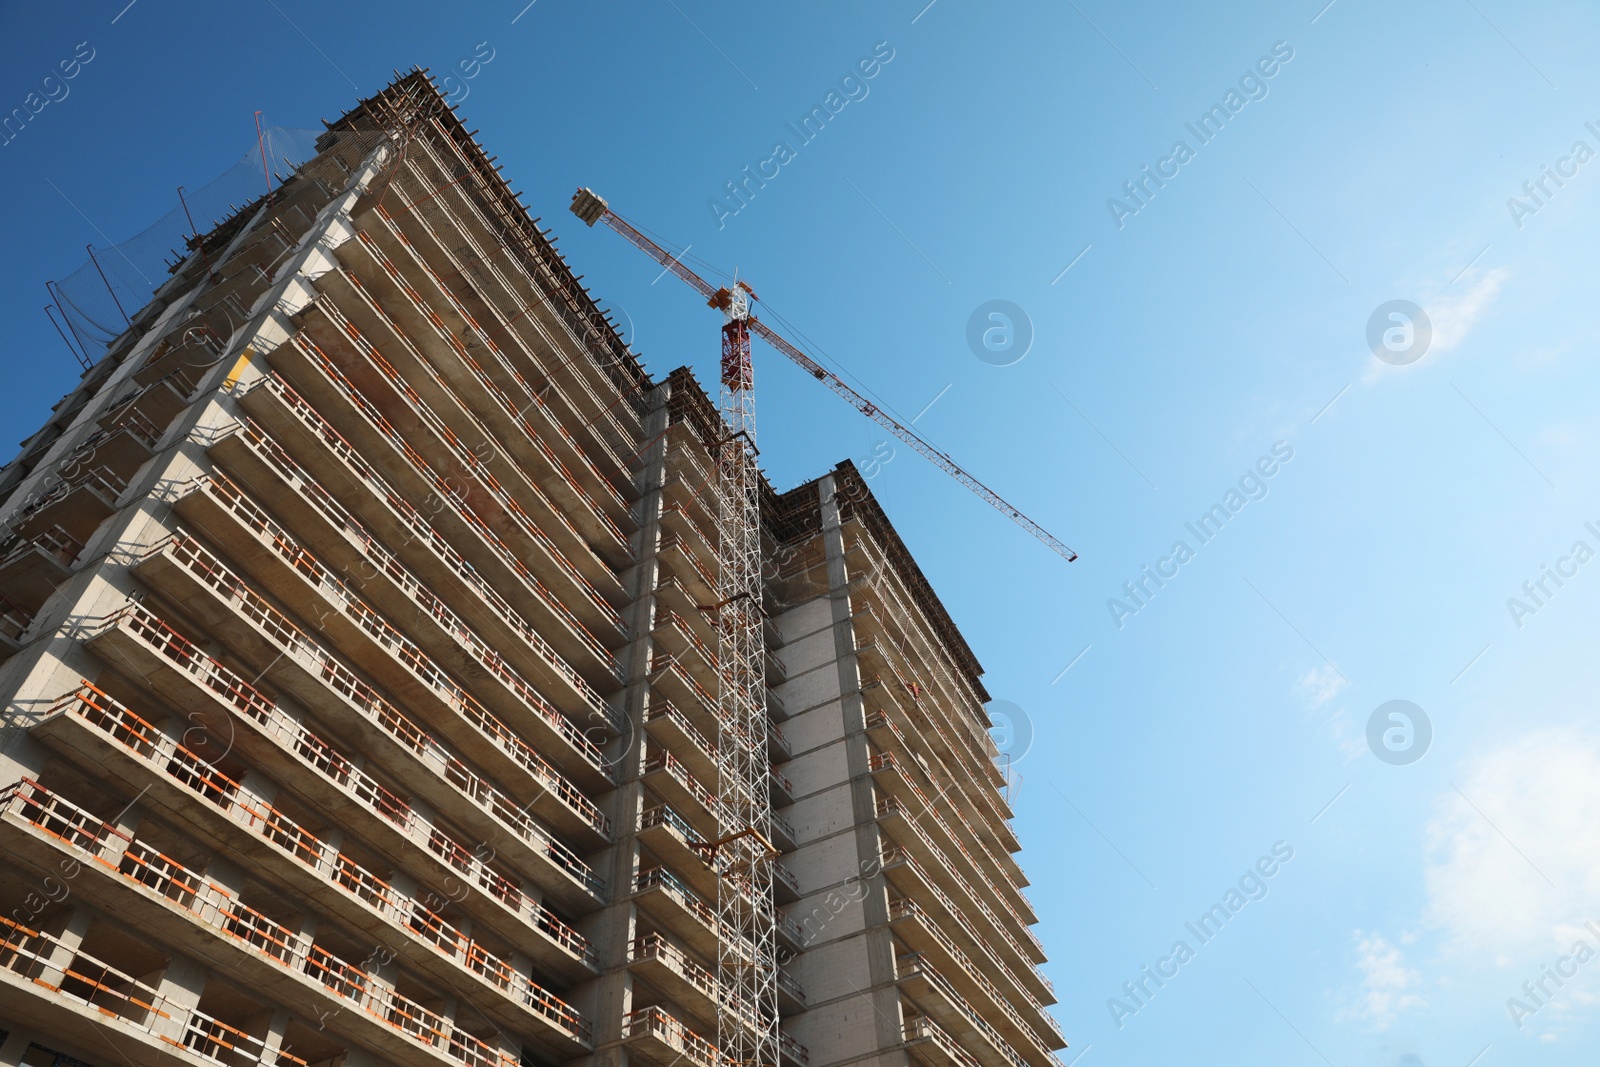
x=359, y=666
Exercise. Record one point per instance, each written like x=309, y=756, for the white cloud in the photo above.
x=1514, y=851
x=1320, y=685
x=1387, y=986
x=1454, y=313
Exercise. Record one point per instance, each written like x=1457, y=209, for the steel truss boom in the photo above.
x=591, y=209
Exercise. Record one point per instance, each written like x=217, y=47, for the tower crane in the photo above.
x=747, y=966
x=734, y=303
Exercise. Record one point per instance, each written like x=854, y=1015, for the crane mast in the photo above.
x=747, y=964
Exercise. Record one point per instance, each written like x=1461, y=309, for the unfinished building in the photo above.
x=357, y=614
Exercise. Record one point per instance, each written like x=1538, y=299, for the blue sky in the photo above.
x=1228, y=314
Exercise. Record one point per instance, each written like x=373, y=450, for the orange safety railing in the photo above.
x=190, y=554
x=218, y=908
x=655, y=1022
x=413, y=518
x=67, y=973
x=166, y=756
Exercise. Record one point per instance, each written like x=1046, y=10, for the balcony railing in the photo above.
x=915, y=965
x=922, y=1028
x=654, y=1022
x=208, y=569
x=164, y=756
x=464, y=455
x=408, y=513
x=52, y=968
x=312, y=751
x=214, y=906
x=384, y=562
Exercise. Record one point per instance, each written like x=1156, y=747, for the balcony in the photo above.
x=110, y=740
x=675, y=841
x=455, y=534
x=181, y=908
x=670, y=779
x=791, y=994
x=33, y=567
x=672, y=730
x=182, y=569
x=782, y=788
x=676, y=975
x=924, y=1035
x=64, y=990
x=658, y=1038
x=171, y=667
x=940, y=1001
x=676, y=636
x=673, y=905
x=911, y=880
x=76, y=504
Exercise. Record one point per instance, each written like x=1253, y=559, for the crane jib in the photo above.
x=736, y=363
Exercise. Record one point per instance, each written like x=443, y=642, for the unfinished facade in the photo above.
x=359, y=670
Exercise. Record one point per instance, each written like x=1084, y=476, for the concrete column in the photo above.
x=15, y=1047
x=68, y=928
x=879, y=942
x=614, y=929
x=180, y=987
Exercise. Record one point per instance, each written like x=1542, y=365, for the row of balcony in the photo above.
x=408, y=590
x=470, y=324
x=78, y=993
x=181, y=561
x=88, y=725
x=890, y=809
x=503, y=409
x=302, y=353
x=904, y=909
x=887, y=733
x=912, y=879
x=996, y=839
x=894, y=778
x=489, y=551
x=145, y=647
x=483, y=242
x=400, y=589
x=913, y=972
x=349, y=314
x=157, y=889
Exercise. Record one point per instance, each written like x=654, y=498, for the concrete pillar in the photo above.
x=68, y=928
x=179, y=990
x=15, y=1047
x=614, y=929
x=879, y=942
